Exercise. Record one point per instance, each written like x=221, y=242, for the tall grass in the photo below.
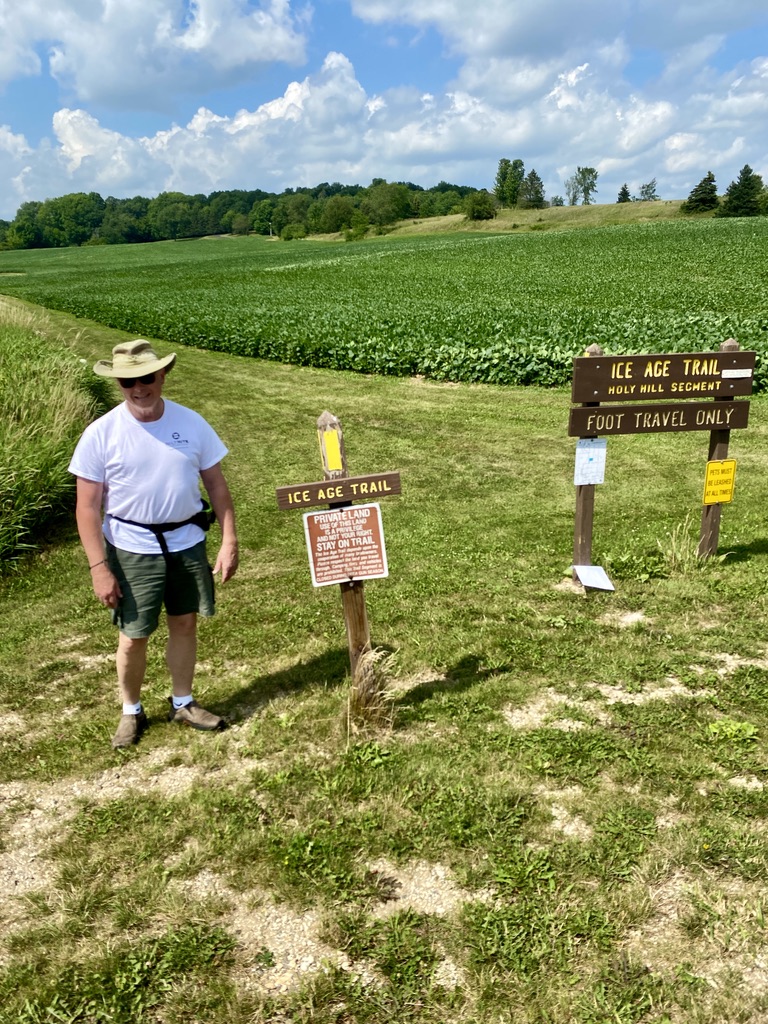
x=47, y=396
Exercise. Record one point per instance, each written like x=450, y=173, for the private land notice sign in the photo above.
x=345, y=544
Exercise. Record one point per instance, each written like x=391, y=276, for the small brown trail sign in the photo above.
x=342, y=489
x=722, y=376
x=346, y=545
x=654, y=419
x=346, y=542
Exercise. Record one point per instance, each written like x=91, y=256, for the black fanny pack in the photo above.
x=204, y=518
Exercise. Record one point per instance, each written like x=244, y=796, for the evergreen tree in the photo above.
x=624, y=196
x=742, y=197
x=531, y=194
x=703, y=197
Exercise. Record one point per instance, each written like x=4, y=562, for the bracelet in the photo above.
x=97, y=563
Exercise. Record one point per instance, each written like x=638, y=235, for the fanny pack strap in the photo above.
x=203, y=518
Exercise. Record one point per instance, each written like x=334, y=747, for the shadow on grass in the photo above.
x=462, y=676
x=745, y=552
x=331, y=670
x=328, y=670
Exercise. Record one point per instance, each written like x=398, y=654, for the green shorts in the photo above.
x=183, y=585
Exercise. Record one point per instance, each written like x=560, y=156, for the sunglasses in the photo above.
x=128, y=382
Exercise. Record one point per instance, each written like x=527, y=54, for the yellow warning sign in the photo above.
x=719, y=481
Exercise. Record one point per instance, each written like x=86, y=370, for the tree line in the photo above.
x=747, y=196
x=81, y=218
x=514, y=188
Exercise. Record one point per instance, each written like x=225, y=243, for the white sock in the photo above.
x=132, y=709
x=181, y=702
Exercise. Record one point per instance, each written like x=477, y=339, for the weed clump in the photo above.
x=370, y=702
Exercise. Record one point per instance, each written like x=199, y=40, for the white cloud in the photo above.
x=18, y=26
x=325, y=127
x=691, y=60
x=689, y=152
x=11, y=144
x=643, y=124
x=502, y=27
x=141, y=53
x=530, y=27
x=537, y=80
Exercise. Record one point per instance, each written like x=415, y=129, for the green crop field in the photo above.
x=493, y=308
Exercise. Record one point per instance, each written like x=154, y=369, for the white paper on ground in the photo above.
x=593, y=576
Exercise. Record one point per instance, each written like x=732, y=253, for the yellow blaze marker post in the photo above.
x=331, y=446
x=719, y=481
x=340, y=490
x=334, y=458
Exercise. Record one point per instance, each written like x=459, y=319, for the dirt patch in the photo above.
x=561, y=803
x=746, y=782
x=94, y=660
x=618, y=695
x=279, y=946
x=730, y=662
x=623, y=619
x=668, y=901
x=67, y=643
x=12, y=724
x=725, y=947
x=407, y=683
x=33, y=814
x=420, y=886
x=571, y=586
x=541, y=712
x=570, y=825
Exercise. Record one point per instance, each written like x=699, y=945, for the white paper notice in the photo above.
x=593, y=576
x=590, y=460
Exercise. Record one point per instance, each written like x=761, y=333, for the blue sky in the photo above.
x=127, y=97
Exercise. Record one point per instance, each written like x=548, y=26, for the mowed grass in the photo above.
x=565, y=820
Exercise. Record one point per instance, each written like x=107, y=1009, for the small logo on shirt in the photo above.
x=177, y=441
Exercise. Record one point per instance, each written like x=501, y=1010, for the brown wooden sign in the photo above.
x=720, y=376
x=649, y=377
x=654, y=419
x=345, y=544
x=342, y=489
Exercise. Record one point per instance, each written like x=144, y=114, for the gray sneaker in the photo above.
x=129, y=730
x=196, y=717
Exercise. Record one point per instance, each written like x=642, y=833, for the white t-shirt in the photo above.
x=150, y=472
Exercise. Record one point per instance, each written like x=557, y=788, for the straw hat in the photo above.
x=133, y=359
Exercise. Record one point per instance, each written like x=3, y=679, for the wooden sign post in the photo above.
x=662, y=380
x=585, y=504
x=334, y=459
x=340, y=490
x=718, y=450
